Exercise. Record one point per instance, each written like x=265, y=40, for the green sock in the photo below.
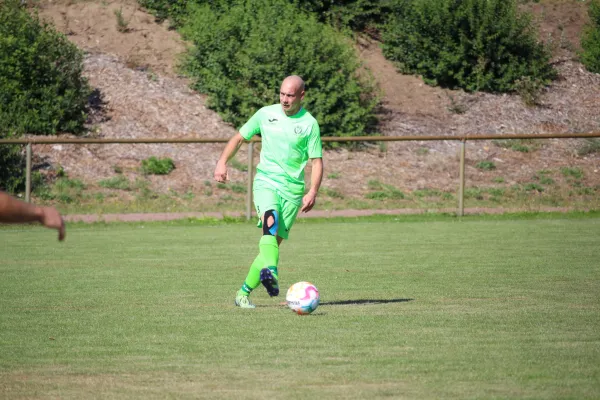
x=269, y=251
x=268, y=257
x=253, y=279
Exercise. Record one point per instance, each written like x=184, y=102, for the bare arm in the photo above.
x=231, y=148
x=316, y=177
x=15, y=211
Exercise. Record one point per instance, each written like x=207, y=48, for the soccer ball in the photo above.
x=302, y=298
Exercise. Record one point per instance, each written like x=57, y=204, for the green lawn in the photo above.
x=417, y=309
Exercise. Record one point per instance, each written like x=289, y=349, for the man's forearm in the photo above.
x=316, y=176
x=15, y=210
x=231, y=148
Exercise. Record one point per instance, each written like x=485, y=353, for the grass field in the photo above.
x=410, y=308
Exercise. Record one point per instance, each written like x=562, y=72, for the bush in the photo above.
x=486, y=165
x=12, y=168
x=357, y=15
x=177, y=10
x=477, y=45
x=590, y=39
x=156, y=166
x=241, y=56
x=41, y=88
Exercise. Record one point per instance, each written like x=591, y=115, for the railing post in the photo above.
x=28, y=174
x=461, y=177
x=250, y=179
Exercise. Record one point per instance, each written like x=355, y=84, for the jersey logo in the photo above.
x=298, y=130
x=272, y=120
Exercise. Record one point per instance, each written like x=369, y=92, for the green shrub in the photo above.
x=476, y=45
x=42, y=90
x=41, y=87
x=357, y=15
x=12, y=168
x=590, y=39
x=157, y=166
x=177, y=10
x=161, y=9
x=241, y=56
x=529, y=89
x=486, y=165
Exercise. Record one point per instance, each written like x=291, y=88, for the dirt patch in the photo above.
x=93, y=26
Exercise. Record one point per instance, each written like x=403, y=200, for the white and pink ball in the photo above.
x=303, y=298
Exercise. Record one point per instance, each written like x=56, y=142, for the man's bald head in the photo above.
x=291, y=94
x=294, y=80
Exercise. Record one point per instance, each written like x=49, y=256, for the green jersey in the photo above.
x=287, y=144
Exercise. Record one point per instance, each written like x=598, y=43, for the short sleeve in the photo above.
x=252, y=127
x=315, y=148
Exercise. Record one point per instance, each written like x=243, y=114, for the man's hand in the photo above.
x=50, y=218
x=308, y=201
x=221, y=174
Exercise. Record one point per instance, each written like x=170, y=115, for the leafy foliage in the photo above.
x=241, y=56
x=590, y=40
x=12, y=167
x=357, y=15
x=486, y=165
x=157, y=166
x=476, y=45
x=42, y=90
x=177, y=10
x=41, y=87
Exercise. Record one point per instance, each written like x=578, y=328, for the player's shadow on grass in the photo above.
x=363, y=301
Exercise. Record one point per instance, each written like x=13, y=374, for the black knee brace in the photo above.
x=270, y=229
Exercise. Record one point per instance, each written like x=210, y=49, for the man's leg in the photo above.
x=269, y=252
x=253, y=278
x=285, y=219
x=264, y=199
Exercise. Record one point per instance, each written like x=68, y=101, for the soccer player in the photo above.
x=290, y=137
x=13, y=210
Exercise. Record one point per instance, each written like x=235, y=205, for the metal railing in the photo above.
x=462, y=138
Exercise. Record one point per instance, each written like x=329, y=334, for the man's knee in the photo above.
x=270, y=222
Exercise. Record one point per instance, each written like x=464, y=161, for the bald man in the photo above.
x=290, y=137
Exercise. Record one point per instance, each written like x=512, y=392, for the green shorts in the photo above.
x=267, y=198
